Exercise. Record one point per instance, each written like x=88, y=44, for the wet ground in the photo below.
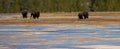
x=59, y=37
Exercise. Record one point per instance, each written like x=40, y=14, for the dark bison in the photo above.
x=24, y=13
x=86, y=15
x=35, y=14
x=83, y=15
x=80, y=16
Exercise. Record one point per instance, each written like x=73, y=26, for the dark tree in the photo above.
x=91, y=5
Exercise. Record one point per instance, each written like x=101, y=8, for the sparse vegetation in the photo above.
x=59, y=5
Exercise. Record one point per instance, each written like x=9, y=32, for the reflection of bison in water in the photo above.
x=35, y=14
x=24, y=13
x=84, y=15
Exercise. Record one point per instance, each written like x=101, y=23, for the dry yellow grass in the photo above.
x=66, y=18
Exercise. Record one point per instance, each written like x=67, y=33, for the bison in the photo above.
x=80, y=16
x=24, y=13
x=35, y=14
x=83, y=15
x=86, y=15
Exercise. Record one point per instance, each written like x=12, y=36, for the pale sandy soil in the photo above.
x=100, y=47
x=96, y=18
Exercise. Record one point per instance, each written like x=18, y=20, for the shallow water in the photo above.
x=57, y=36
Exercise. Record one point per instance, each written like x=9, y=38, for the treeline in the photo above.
x=106, y=5
x=59, y=5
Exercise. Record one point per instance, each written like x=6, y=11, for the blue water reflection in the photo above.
x=50, y=37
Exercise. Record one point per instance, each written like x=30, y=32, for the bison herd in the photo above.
x=35, y=14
